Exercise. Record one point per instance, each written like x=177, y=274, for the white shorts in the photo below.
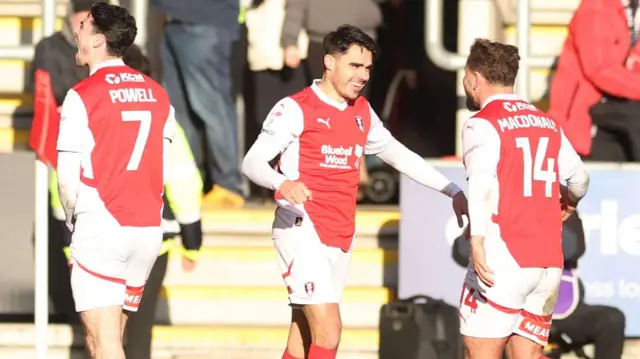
x=521, y=302
x=313, y=272
x=110, y=263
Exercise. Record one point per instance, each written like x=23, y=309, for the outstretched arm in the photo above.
x=381, y=143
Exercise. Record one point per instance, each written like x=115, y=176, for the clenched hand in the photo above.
x=295, y=192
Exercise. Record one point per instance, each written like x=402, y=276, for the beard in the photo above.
x=471, y=104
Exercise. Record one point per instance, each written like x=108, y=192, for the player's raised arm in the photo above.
x=481, y=151
x=73, y=138
x=283, y=124
x=572, y=170
x=381, y=143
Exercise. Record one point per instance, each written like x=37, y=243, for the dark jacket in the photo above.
x=592, y=63
x=55, y=54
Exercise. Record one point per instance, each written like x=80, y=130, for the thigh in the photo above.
x=146, y=244
x=99, y=255
x=483, y=318
x=339, y=261
x=534, y=322
x=140, y=325
x=304, y=261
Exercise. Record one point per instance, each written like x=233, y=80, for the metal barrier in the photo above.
x=454, y=61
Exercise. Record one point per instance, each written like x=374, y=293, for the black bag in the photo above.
x=420, y=327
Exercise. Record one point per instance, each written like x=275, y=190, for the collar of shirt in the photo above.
x=108, y=63
x=502, y=96
x=325, y=98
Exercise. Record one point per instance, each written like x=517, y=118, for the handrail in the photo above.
x=434, y=24
x=140, y=11
x=523, y=25
x=448, y=60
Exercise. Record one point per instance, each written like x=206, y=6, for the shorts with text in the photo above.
x=521, y=302
x=313, y=272
x=111, y=263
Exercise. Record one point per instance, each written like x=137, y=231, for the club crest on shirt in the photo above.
x=310, y=288
x=360, y=123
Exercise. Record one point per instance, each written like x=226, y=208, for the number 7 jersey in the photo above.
x=524, y=154
x=117, y=119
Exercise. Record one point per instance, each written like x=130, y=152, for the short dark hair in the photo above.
x=134, y=58
x=117, y=26
x=345, y=36
x=497, y=62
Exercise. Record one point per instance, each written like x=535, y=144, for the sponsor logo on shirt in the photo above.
x=325, y=122
x=115, y=79
x=338, y=157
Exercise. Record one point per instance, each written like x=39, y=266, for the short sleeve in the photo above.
x=74, y=133
x=480, y=147
x=170, y=125
x=378, y=137
x=284, y=123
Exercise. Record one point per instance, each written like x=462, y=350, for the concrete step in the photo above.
x=29, y=8
x=21, y=30
x=13, y=74
x=544, y=40
x=261, y=306
x=257, y=266
x=242, y=352
x=192, y=342
x=380, y=222
x=189, y=339
x=543, y=12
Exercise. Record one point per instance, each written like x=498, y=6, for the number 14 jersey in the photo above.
x=527, y=154
x=117, y=120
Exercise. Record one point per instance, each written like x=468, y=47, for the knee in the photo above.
x=327, y=334
x=613, y=319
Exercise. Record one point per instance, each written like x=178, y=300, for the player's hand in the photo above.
x=188, y=265
x=292, y=57
x=479, y=261
x=294, y=192
x=567, y=206
x=460, y=207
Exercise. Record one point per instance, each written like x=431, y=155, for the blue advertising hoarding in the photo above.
x=610, y=214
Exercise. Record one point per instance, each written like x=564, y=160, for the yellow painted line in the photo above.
x=13, y=67
x=379, y=295
x=10, y=136
x=267, y=254
x=16, y=100
x=259, y=216
x=252, y=335
x=546, y=30
x=25, y=23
